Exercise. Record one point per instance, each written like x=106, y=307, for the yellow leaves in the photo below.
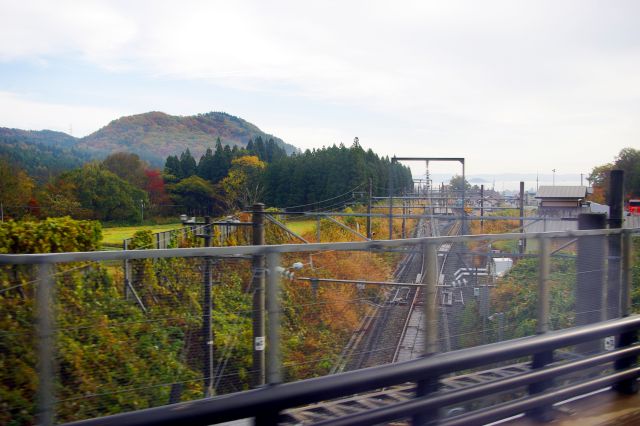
x=248, y=161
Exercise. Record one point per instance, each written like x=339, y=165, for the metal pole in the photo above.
x=318, y=229
x=627, y=264
x=368, y=209
x=543, y=358
x=207, y=309
x=274, y=373
x=391, y=199
x=543, y=287
x=425, y=387
x=404, y=213
x=615, y=199
x=430, y=305
x=522, y=241
x=631, y=337
x=258, y=298
x=127, y=275
x=481, y=209
x=46, y=343
x=464, y=192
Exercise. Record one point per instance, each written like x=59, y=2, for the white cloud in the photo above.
x=18, y=111
x=476, y=77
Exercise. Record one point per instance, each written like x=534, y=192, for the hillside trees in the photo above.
x=105, y=194
x=16, y=187
x=195, y=192
x=129, y=167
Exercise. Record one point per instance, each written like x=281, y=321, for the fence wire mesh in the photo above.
x=131, y=335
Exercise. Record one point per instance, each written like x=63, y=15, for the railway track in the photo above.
x=411, y=342
x=383, y=334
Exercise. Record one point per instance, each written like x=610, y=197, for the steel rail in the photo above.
x=270, y=400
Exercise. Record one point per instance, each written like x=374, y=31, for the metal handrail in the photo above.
x=269, y=401
x=38, y=258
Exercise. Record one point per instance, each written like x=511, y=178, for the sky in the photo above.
x=511, y=86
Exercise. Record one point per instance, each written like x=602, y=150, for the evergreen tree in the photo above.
x=187, y=164
x=206, y=166
x=172, y=167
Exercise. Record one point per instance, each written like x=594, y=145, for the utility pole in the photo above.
x=142, y=210
x=481, y=209
x=464, y=189
x=391, y=198
x=369, y=236
x=404, y=213
x=523, y=242
x=258, y=266
x=207, y=309
x=554, y=176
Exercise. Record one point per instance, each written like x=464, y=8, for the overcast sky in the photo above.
x=512, y=86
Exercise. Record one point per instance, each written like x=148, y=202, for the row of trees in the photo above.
x=320, y=178
x=237, y=178
x=123, y=188
x=215, y=165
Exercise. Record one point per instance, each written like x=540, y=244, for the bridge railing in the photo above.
x=165, y=310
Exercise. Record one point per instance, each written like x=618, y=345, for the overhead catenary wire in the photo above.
x=328, y=199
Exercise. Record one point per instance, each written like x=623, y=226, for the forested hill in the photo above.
x=156, y=135
x=42, y=154
x=44, y=137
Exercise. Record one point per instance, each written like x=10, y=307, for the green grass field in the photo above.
x=302, y=226
x=114, y=236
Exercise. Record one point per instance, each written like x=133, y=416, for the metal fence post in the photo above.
x=258, y=298
x=430, y=384
x=274, y=365
x=543, y=358
x=46, y=342
x=590, y=277
x=274, y=373
x=207, y=308
x=629, y=386
x=615, y=200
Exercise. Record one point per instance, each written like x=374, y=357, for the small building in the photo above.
x=563, y=201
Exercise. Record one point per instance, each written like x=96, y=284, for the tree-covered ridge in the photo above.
x=41, y=154
x=156, y=135
x=44, y=137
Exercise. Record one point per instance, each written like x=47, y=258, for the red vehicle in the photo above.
x=633, y=207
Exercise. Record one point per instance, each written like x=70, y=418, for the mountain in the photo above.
x=42, y=153
x=44, y=137
x=156, y=135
